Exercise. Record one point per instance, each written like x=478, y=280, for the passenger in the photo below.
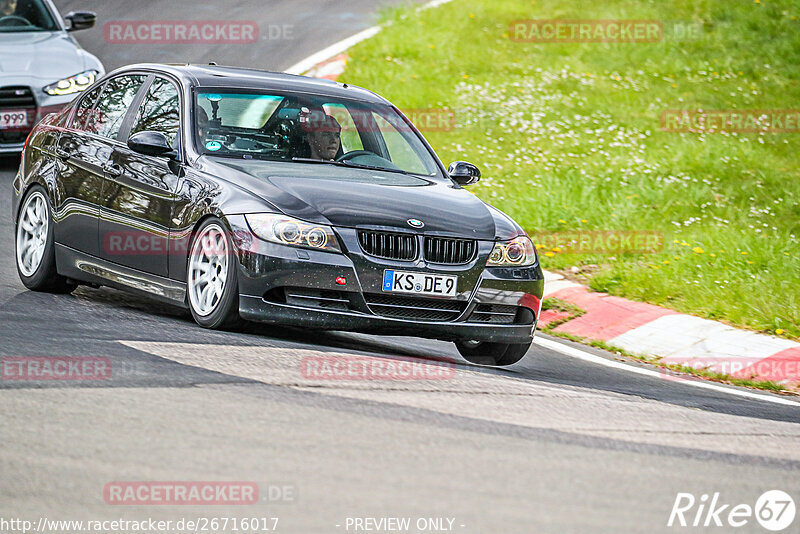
x=202, y=123
x=8, y=8
x=323, y=134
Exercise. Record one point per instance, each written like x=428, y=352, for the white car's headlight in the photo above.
x=73, y=84
x=293, y=232
x=518, y=252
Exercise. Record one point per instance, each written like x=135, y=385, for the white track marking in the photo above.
x=592, y=358
x=337, y=48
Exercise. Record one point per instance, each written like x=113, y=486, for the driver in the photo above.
x=323, y=134
x=8, y=8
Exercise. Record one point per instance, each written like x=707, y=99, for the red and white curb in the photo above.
x=649, y=330
x=636, y=327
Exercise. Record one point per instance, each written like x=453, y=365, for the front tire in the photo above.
x=212, y=283
x=34, y=248
x=496, y=354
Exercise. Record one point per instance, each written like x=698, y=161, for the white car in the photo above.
x=42, y=67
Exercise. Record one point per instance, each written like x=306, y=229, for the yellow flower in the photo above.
x=472, y=15
x=584, y=220
x=549, y=254
x=539, y=246
x=779, y=331
x=676, y=257
x=749, y=262
x=698, y=250
x=432, y=45
x=675, y=241
x=414, y=76
x=562, y=221
x=556, y=249
x=666, y=262
x=786, y=253
x=744, y=253
x=713, y=255
x=674, y=85
x=466, y=76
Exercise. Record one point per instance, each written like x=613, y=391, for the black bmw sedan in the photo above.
x=251, y=195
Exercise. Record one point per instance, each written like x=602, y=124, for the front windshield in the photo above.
x=309, y=129
x=25, y=16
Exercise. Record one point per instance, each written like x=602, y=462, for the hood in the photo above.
x=43, y=56
x=357, y=198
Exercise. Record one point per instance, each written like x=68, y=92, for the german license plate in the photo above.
x=13, y=119
x=439, y=285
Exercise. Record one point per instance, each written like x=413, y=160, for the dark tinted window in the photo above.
x=25, y=16
x=159, y=110
x=85, y=114
x=115, y=101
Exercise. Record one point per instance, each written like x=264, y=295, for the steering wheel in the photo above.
x=354, y=154
x=15, y=20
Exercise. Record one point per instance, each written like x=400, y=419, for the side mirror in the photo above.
x=81, y=20
x=152, y=144
x=464, y=173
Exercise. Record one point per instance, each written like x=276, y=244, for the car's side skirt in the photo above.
x=85, y=268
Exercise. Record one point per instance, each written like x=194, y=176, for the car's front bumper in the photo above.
x=257, y=309
x=266, y=268
x=13, y=141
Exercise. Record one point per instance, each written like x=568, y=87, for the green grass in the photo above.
x=567, y=136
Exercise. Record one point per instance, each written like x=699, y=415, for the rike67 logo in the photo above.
x=774, y=510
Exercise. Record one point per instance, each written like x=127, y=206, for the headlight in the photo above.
x=288, y=231
x=73, y=84
x=518, y=252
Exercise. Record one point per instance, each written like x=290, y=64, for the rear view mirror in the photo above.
x=80, y=20
x=464, y=173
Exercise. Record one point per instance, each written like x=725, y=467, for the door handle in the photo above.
x=115, y=171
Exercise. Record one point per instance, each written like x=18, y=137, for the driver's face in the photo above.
x=324, y=145
x=8, y=7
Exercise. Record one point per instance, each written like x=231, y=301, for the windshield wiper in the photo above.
x=371, y=167
x=347, y=164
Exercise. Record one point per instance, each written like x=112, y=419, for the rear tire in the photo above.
x=496, y=354
x=212, y=282
x=34, y=245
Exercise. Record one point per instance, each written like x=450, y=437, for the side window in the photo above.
x=114, y=103
x=351, y=140
x=85, y=114
x=159, y=110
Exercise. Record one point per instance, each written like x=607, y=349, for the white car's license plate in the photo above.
x=439, y=285
x=13, y=119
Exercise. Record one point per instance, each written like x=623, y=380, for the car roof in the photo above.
x=245, y=78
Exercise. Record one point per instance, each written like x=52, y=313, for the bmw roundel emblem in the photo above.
x=416, y=223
